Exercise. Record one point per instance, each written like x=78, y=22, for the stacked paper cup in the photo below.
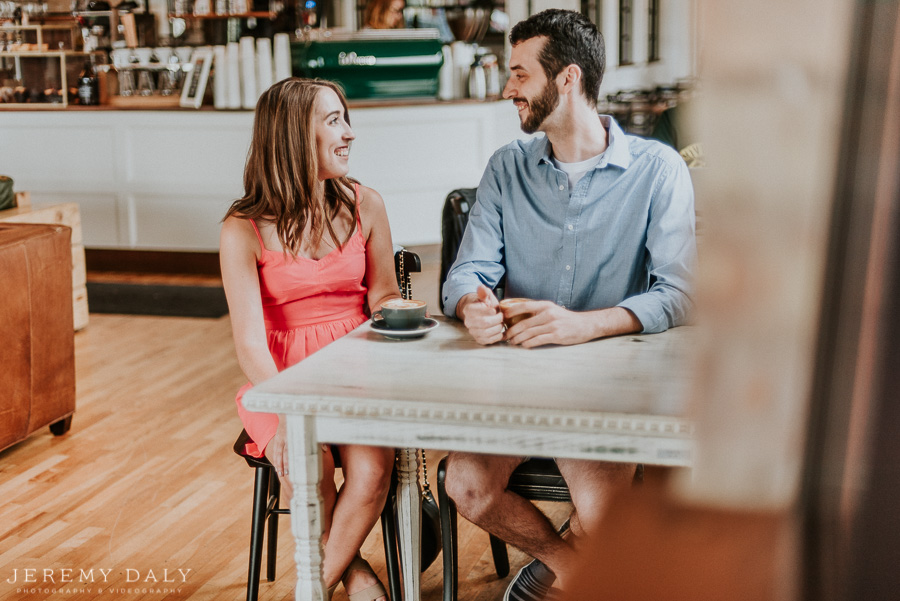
x=248, y=72
x=243, y=71
x=220, y=78
x=282, y=56
x=264, y=73
x=233, y=63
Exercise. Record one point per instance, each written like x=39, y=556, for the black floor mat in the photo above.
x=155, y=299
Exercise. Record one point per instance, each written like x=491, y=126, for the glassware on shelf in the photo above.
x=126, y=82
x=168, y=82
x=145, y=85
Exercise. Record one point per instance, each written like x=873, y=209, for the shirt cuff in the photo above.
x=451, y=295
x=649, y=313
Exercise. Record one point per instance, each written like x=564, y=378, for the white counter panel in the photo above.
x=162, y=180
x=175, y=222
x=58, y=157
x=195, y=160
x=99, y=213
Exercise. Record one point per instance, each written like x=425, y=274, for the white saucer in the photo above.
x=379, y=326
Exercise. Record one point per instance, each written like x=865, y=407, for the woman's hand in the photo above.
x=277, y=454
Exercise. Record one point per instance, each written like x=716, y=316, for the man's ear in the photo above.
x=569, y=79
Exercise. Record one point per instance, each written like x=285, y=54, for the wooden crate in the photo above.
x=62, y=214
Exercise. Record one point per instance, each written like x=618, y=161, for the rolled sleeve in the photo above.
x=672, y=255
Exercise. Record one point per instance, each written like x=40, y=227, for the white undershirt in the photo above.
x=575, y=171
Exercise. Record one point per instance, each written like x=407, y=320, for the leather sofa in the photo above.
x=37, y=342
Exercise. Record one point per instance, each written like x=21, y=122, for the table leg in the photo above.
x=305, y=472
x=409, y=514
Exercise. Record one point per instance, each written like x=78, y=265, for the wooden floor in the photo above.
x=145, y=486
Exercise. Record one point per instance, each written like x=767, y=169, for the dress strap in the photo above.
x=358, y=216
x=258, y=236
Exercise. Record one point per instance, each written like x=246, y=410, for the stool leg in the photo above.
x=501, y=558
x=257, y=530
x=448, y=534
x=391, y=546
x=272, y=550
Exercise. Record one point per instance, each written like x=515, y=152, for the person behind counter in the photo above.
x=306, y=253
x=384, y=14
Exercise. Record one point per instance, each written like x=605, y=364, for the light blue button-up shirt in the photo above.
x=623, y=237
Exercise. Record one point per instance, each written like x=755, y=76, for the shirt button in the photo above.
x=562, y=187
x=571, y=227
x=568, y=267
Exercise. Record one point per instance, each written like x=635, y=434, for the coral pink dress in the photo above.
x=307, y=304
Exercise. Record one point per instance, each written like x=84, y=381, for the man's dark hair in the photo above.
x=571, y=40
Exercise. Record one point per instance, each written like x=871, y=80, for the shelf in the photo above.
x=38, y=106
x=44, y=53
x=247, y=15
x=151, y=66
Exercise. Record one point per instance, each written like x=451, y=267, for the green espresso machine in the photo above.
x=372, y=64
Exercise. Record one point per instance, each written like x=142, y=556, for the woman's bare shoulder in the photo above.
x=238, y=231
x=369, y=199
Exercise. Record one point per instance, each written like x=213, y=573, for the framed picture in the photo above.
x=195, y=80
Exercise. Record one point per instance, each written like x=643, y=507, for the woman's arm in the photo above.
x=238, y=253
x=381, y=277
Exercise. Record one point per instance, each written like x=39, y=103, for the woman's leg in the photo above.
x=329, y=493
x=367, y=477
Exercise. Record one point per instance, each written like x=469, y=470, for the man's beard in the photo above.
x=541, y=107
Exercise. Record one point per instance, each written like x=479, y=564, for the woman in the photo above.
x=306, y=254
x=384, y=14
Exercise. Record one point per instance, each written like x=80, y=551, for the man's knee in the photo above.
x=475, y=483
x=593, y=484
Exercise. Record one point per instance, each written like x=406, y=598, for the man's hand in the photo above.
x=551, y=324
x=480, y=312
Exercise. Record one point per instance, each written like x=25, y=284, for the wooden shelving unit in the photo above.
x=247, y=15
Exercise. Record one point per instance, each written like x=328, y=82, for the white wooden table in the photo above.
x=619, y=399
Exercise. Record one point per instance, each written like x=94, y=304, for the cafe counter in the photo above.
x=162, y=180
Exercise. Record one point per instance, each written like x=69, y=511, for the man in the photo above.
x=598, y=228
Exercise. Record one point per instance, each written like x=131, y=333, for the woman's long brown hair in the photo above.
x=281, y=182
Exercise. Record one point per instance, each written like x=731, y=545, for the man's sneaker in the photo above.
x=533, y=582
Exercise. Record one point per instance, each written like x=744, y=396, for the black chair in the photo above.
x=266, y=509
x=267, y=488
x=454, y=219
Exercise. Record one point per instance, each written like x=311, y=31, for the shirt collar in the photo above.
x=617, y=152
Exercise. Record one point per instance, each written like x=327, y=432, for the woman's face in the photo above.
x=333, y=135
x=394, y=15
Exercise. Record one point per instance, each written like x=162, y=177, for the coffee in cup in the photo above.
x=402, y=314
x=508, y=303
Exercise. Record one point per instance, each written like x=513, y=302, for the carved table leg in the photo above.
x=409, y=514
x=305, y=472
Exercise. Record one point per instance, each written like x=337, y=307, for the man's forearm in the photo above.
x=614, y=321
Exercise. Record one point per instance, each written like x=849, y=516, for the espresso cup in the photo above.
x=508, y=303
x=402, y=314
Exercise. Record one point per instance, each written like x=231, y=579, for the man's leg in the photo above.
x=592, y=485
x=478, y=486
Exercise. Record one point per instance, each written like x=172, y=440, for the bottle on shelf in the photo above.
x=88, y=87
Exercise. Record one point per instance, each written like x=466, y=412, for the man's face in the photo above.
x=535, y=96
